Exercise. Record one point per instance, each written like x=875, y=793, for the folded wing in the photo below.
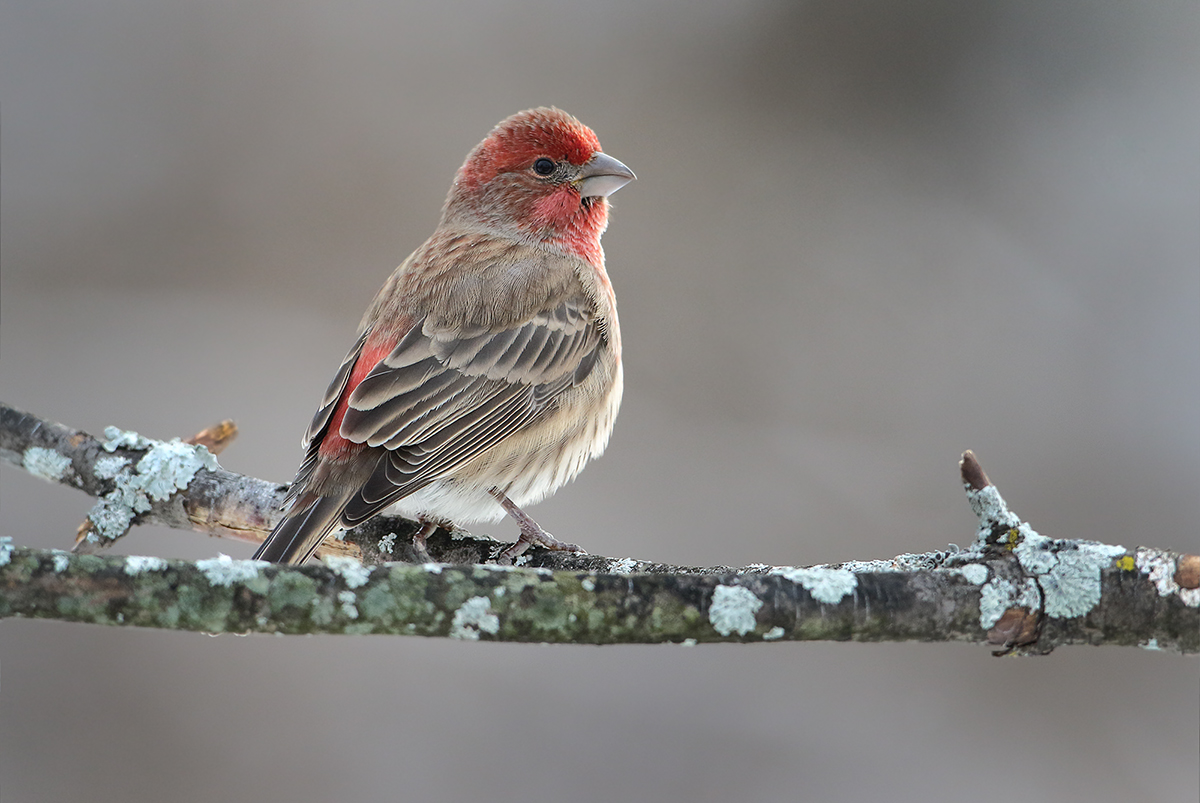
x=443, y=397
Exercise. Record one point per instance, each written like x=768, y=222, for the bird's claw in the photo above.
x=540, y=538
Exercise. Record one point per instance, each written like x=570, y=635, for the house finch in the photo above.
x=487, y=371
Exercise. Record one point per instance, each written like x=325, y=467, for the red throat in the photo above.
x=580, y=232
x=496, y=182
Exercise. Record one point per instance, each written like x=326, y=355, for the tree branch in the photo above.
x=1012, y=588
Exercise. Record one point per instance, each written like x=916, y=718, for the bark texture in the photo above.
x=1013, y=588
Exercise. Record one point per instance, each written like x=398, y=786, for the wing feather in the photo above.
x=334, y=392
x=444, y=396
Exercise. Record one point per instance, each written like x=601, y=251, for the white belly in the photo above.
x=527, y=466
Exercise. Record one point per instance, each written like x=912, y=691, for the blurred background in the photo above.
x=864, y=237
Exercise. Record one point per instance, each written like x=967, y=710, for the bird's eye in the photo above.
x=543, y=166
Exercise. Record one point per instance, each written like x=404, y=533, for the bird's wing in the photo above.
x=320, y=420
x=334, y=392
x=443, y=396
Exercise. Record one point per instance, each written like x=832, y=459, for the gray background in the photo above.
x=865, y=236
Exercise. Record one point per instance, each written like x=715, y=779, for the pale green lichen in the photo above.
x=992, y=511
x=166, y=467
x=1036, y=552
x=6, y=549
x=1030, y=597
x=1068, y=571
x=169, y=467
x=106, y=468
x=136, y=564
x=829, y=586
x=61, y=560
x=1159, y=567
x=907, y=562
x=994, y=599
x=118, y=438
x=515, y=583
x=472, y=617
x=352, y=571
x=624, y=566
x=322, y=611
x=974, y=573
x=290, y=590
x=45, y=463
x=432, y=568
x=400, y=598
x=225, y=571
x=733, y=610
x=347, y=598
x=588, y=583
x=112, y=514
x=387, y=543
x=1073, y=586
x=998, y=595
x=859, y=566
x=774, y=633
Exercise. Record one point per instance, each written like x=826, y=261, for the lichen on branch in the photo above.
x=1012, y=588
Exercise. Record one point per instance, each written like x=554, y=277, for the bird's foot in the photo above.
x=532, y=533
x=540, y=538
x=419, y=546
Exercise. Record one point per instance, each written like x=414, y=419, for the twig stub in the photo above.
x=973, y=475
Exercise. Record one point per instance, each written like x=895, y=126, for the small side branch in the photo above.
x=142, y=481
x=1012, y=588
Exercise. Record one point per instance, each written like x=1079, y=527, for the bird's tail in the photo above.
x=302, y=529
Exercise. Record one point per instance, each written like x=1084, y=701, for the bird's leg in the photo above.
x=532, y=533
x=423, y=532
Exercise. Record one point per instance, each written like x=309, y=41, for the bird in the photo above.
x=487, y=370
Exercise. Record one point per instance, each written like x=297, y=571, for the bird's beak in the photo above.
x=601, y=176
